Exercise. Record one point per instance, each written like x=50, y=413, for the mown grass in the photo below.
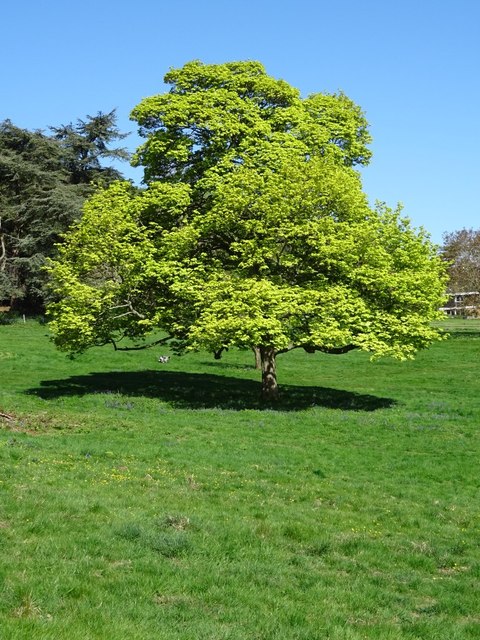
x=140, y=500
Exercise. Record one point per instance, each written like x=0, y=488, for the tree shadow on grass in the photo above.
x=206, y=391
x=227, y=365
x=455, y=334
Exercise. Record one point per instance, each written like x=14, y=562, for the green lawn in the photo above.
x=141, y=500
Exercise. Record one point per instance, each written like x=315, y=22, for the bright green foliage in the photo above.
x=218, y=112
x=253, y=230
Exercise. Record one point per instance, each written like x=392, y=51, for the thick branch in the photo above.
x=334, y=350
x=127, y=313
x=131, y=310
x=312, y=348
x=142, y=346
x=3, y=250
x=3, y=253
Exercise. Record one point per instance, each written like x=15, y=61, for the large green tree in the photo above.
x=44, y=180
x=252, y=231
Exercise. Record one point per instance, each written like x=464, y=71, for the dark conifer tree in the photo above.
x=86, y=146
x=44, y=180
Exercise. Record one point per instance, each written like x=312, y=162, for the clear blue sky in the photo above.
x=412, y=65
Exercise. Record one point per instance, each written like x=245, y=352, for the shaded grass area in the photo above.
x=166, y=503
x=202, y=390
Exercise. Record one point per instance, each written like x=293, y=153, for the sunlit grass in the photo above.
x=143, y=500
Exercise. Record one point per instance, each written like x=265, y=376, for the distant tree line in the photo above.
x=462, y=250
x=44, y=180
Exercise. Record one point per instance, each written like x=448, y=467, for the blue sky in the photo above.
x=413, y=66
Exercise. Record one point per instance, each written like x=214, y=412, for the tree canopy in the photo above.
x=252, y=231
x=44, y=180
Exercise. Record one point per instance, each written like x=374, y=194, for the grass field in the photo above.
x=144, y=501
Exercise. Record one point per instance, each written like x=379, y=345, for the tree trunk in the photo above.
x=269, y=374
x=258, y=358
